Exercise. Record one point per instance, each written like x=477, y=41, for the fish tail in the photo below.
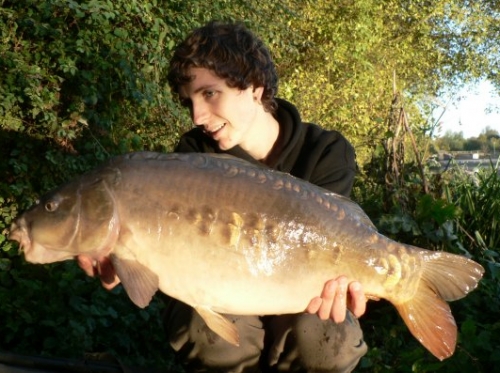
x=445, y=277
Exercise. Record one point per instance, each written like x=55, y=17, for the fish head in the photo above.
x=77, y=218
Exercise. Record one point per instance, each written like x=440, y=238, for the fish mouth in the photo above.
x=19, y=232
x=33, y=251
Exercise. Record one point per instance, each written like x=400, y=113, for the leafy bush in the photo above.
x=79, y=81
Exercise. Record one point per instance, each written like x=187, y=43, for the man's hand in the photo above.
x=102, y=268
x=338, y=295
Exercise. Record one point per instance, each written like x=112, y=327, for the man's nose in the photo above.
x=199, y=113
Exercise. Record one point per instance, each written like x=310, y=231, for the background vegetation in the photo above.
x=487, y=142
x=83, y=80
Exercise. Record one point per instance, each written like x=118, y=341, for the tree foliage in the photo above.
x=488, y=142
x=357, y=54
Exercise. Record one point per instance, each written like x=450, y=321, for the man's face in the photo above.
x=226, y=114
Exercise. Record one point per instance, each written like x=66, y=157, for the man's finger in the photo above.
x=314, y=305
x=357, y=299
x=87, y=265
x=107, y=274
x=339, y=308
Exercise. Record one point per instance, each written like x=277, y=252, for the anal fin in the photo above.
x=219, y=324
x=430, y=320
x=139, y=281
x=445, y=277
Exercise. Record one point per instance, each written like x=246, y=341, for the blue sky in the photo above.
x=478, y=108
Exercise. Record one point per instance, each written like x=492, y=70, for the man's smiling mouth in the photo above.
x=214, y=130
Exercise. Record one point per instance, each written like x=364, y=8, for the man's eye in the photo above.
x=209, y=93
x=186, y=102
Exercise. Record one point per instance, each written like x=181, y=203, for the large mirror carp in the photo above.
x=227, y=236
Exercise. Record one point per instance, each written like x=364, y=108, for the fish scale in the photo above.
x=227, y=236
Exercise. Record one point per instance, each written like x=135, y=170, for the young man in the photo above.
x=226, y=78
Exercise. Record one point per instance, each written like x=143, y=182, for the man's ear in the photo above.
x=257, y=94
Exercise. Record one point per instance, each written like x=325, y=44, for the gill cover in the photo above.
x=79, y=217
x=98, y=224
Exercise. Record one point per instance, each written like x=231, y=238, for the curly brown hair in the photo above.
x=233, y=53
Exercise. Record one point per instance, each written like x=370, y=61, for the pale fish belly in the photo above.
x=238, y=263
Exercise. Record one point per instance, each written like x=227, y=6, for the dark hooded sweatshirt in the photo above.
x=305, y=150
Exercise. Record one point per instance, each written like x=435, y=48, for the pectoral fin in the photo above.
x=219, y=324
x=139, y=282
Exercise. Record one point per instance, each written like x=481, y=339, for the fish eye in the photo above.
x=51, y=206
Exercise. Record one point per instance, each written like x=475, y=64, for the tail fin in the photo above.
x=445, y=277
